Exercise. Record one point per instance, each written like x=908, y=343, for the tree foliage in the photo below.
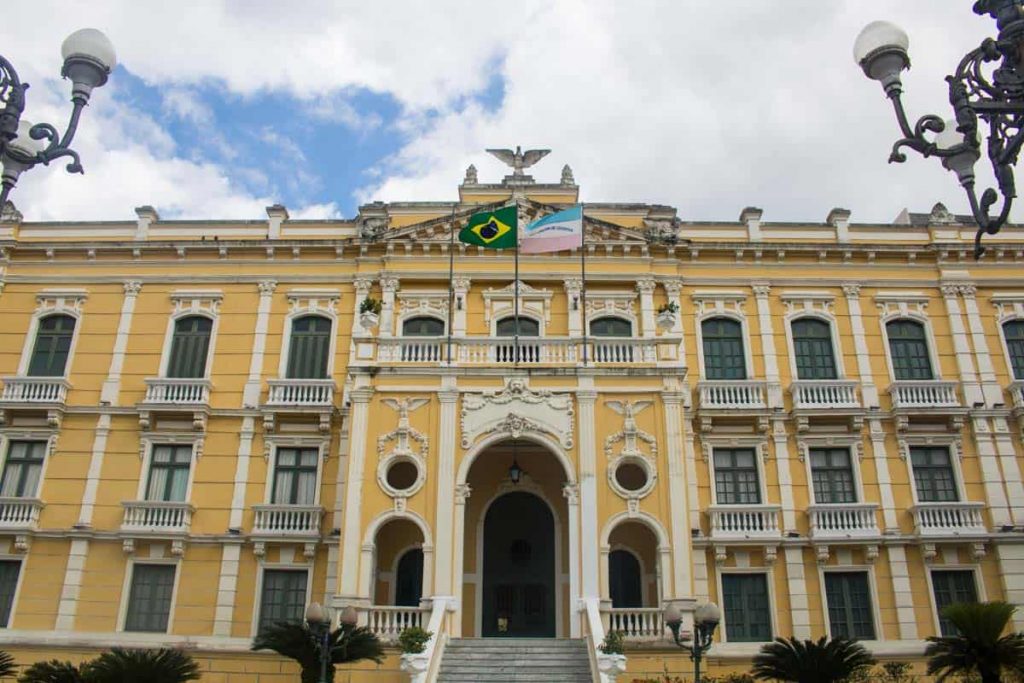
x=53, y=671
x=979, y=647
x=294, y=640
x=805, y=661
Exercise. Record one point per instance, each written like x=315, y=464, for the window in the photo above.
x=295, y=476
x=723, y=349
x=23, y=469
x=952, y=587
x=849, y=605
x=310, y=346
x=812, y=346
x=53, y=345
x=625, y=579
x=611, y=327
x=909, y=350
x=149, y=601
x=284, y=596
x=747, y=617
x=1013, y=333
x=9, y=572
x=736, y=481
x=528, y=327
x=168, y=473
x=832, y=473
x=189, y=347
x=933, y=474
x=409, y=579
x=423, y=326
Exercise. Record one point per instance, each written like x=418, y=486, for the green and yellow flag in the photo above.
x=492, y=229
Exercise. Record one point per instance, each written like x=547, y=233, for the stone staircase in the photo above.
x=515, y=660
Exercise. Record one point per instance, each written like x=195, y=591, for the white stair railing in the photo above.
x=424, y=667
x=604, y=668
x=637, y=623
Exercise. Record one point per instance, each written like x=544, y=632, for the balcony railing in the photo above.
x=177, y=391
x=301, y=392
x=924, y=394
x=386, y=621
x=1016, y=390
x=735, y=522
x=949, y=519
x=824, y=394
x=157, y=516
x=34, y=390
x=733, y=394
x=479, y=351
x=287, y=520
x=637, y=623
x=20, y=513
x=843, y=520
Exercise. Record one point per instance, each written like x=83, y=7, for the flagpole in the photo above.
x=583, y=281
x=515, y=291
x=451, y=281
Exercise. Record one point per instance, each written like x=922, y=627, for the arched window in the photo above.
x=423, y=326
x=52, y=347
x=310, y=345
x=908, y=349
x=624, y=579
x=1013, y=332
x=611, y=327
x=812, y=346
x=528, y=327
x=723, y=349
x=189, y=347
x=409, y=579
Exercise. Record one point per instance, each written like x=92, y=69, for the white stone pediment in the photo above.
x=517, y=410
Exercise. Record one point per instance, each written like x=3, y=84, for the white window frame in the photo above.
x=908, y=306
x=422, y=304
x=1009, y=308
x=722, y=305
x=126, y=589
x=631, y=319
x=620, y=304
x=53, y=302
x=21, y=560
x=816, y=306
x=306, y=566
x=948, y=441
x=757, y=444
x=979, y=587
x=769, y=574
x=187, y=304
x=876, y=614
x=303, y=302
x=151, y=441
x=533, y=303
x=852, y=443
x=271, y=446
x=7, y=436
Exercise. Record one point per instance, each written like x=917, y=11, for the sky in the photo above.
x=219, y=108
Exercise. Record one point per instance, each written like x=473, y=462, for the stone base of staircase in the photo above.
x=515, y=660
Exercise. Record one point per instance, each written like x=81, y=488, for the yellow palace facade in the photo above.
x=203, y=428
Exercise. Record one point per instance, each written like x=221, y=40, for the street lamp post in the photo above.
x=318, y=620
x=705, y=621
x=88, y=60
x=988, y=85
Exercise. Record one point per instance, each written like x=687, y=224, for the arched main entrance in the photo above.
x=519, y=568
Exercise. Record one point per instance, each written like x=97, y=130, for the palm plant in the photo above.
x=165, y=665
x=6, y=665
x=53, y=671
x=979, y=646
x=294, y=640
x=806, y=661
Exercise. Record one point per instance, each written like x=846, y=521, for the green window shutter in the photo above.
x=812, y=346
x=611, y=327
x=295, y=476
x=736, y=477
x=189, y=347
x=1013, y=332
x=832, y=474
x=724, y=358
x=168, y=473
x=528, y=327
x=9, y=571
x=423, y=326
x=933, y=474
x=23, y=468
x=952, y=587
x=149, y=602
x=52, y=346
x=310, y=346
x=908, y=349
x=747, y=613
x=283, y=597
x=849, y=605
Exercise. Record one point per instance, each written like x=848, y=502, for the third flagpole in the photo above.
x=451, y=280
x=583, y=281
x=515, y=291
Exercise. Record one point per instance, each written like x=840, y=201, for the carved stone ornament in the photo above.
x=373, y=228
x=410, y=445
x=718, y=302
x=517, y=410
x=533, y=302
x=302, y=300
x=196, y=301
x=60, y=300
x=611, y=304
x=630, y=436
x=661, y=230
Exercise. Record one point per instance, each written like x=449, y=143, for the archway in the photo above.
x=409, y=578
x=398, y=578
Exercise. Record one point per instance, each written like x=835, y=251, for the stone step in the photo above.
x=515, y=660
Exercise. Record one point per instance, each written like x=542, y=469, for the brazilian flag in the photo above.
x=492, y=229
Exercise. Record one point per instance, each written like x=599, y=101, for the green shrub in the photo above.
x=370, y=305
x=413, y=640
x=613, y=643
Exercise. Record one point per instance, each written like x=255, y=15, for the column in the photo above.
x=771, y=361
x=331, y=581
x=673, y=290
x=1011, y=573
x=991, y=476
x=227, y=588
x=902, y=590
x=112, y=385
x=574, y=305
x=462, y=492
x=68, y=606
x=362, y=287
x=780, y=439
x=868, y=390
x=388, y=287
x=586, y=396
x=964, y=358
x=245, y=438
x=572, y=497
x=890, y=524
x=796, y=579
x=678, y=583
x=701, y=589
x=693, y=496
x=350, y=536
x=990, y=388
x=92, y=477
x=460, y=286
x=1011, y=471
x=251, y=393
x=646, y=288
x=444, y=574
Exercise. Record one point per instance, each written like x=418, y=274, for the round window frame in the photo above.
x=644, y=464
x=390, y=461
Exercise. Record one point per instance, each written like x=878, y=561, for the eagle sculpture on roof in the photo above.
x=519, y=159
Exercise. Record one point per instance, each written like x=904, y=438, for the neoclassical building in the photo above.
x=203, y=428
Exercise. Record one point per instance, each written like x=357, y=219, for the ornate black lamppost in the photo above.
x=88, y=59
x=705, y=621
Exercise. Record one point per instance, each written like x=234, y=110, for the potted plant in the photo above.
x=369, y=312
x=611, y=661
x=413, y=642
x=667, y=315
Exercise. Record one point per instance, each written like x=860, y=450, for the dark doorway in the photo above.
x=624, y=579
x=409, y=579
x=519, y=568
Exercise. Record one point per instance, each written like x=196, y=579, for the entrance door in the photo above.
x=519, y=568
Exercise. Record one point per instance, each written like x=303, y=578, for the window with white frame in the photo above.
x=610, y=326
x=724, y=356
x=23, y=468
x=295, y=475
x=934, y=477
x=1013, y=334
x=746, y=607
x=283, y=596
x=812, y=348
x=169, y=468
x=526, y=327
x=832, y=475
x=10, y=570
x=309, y=347
x=952, y=586
x=850, y=611
x=52, y=348
x=149, y=599
x=908, y=350
x=190, y=345
x=423, y=326
x=736, y=476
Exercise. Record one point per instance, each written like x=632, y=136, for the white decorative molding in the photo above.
x=805, y=442
x=533, y=302
x=60, y=300
x=900, y=303
x=622, y=304
x=273, y=441
x=708, y=442
x=516, y=409
x=410, y=445
x=951, y=440
x=309, y=300
x=718, y=301
x=434, y=303
x=149, y=439
x=631, y=436
x=196, y=301
x=1009, y=305
x=808, y=302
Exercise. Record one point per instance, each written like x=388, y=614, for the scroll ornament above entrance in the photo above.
x=517, y=410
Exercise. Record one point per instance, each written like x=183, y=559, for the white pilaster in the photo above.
x=589, y=532
x=903, y=592
x=701, y=588
x=868, y=390
x=245, y=437
x=674, y=290
x=572, y=497
x=460, y=287
x=388, y=287
x=251, y=393
x=92, y=477
x=350, y=536
x=884, y=477
x=1011, y=469
x=690, y=454
x=991, y=476
x=331, y=583
x=771, y=362
x=362, y=288
x=112, y=384
x=462, y=492
x=781, y=441
x=69, y=593
x=964, y=358
x=1011, y=573
x=989, y=384
x=678, y=583
x=227, y=588
x=574, y=305
x=799, y=607
x=444, y=572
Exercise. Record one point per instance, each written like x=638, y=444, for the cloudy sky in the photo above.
x=219, y=108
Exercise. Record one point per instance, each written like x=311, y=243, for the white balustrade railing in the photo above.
x=948, y=519
x=287, y=520
x=467, y=351
x=827, y=393
x=734, y=394
x=156, y=515
x=745, y=521
x=924, y=394
x=413, y=350
x=1016, y=390
x=34, y=390
x=843, y=520
x=177, y=391
x=637, y=623
x=387, y=621
x=623, y=351
x=20, y=513
x=301, y=392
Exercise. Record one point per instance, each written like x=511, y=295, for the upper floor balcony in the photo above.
x=825, y=400
x=843, y=521
x=297, y=397
x=45, y=394
x=949, y=520
x=294, y=521
x=1016, y=389
x=926, y=400
x=745, y=523
x=176, y=395
x=20, y=514
x=733, y=394
x=157, y=517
